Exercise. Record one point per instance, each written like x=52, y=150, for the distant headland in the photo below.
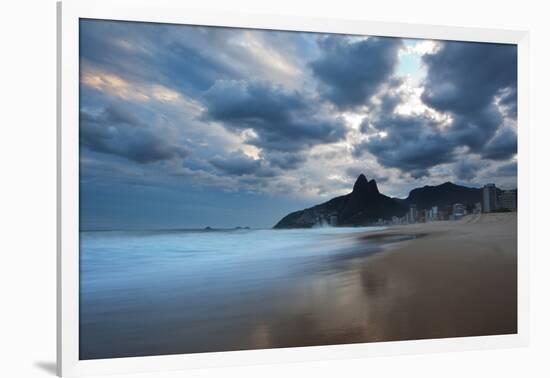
x=365, y=205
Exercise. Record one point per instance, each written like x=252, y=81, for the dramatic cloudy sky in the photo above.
x=184, y=126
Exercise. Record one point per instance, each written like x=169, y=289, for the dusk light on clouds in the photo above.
x=188, y=126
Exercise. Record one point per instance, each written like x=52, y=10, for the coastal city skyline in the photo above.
x=365, y=205
x=185, y=126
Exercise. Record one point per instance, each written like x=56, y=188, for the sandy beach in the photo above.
x=453, y=279
x=328, y=286
x=459, y=279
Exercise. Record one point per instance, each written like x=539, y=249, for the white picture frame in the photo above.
x=165, y=11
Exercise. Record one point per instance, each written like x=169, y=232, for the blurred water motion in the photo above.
x=172, y=292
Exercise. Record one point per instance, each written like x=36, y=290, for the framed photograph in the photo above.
x=238, y=189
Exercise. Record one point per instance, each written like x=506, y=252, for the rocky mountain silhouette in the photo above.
x=443, y=195
x=366, y=205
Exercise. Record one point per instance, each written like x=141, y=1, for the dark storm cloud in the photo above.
x=189, y=67
x=509, y=169
x=467, y=170
x=502, y=147
x=114, y=114
x=409, y=145
x=284, y=160
x=239, y=164
x=413, y=143
x=474, y=131
x=464, y=79
x=168, y=106
x=281, y=120
x=117, y=132
x=351, y=71
x=171, y=55
x=251, y=102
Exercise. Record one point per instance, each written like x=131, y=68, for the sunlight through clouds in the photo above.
x=292, y=115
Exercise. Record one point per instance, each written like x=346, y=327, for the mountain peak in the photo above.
x=360, y=183
x=364, y=186
x=373, y=186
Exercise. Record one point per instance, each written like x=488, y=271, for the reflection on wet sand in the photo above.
x=172, y=294
x=458, y=280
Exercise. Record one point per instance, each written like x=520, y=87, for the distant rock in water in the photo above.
x=364, y=205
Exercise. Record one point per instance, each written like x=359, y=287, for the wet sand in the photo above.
x=460, y=279
x=433, y=280
x=452, y=279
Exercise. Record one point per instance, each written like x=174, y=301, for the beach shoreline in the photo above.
x=422, y=281
x=431, y=280
x=449, y=279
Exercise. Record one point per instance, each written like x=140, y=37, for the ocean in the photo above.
x=188, y=291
